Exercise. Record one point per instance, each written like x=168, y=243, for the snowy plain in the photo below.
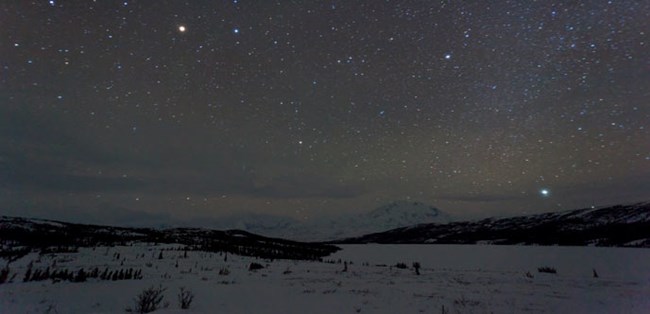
x=453, y=279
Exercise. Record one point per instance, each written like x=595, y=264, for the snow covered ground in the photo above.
x=462, y=279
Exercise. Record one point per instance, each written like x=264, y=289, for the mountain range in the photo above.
x=395, y=223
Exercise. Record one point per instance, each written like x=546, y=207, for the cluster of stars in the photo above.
x=449, y=103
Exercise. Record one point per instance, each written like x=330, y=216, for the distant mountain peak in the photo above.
x=409, y=212
x=395, y=214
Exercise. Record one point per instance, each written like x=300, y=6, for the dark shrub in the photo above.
x=185, y=298
x=547, y=269
x=148, y=300
x=255, y=266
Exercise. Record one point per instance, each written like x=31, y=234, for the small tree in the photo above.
x=185, y=298
x=81, y=276
x=416, y=266
x=4, y=274
x=46, y=274
x=28, y=273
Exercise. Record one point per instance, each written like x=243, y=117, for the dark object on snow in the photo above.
x=185, y=298
x=255, y=266
x=546, y=269
x=595, y=273
x=416, y=266
x=401, y=266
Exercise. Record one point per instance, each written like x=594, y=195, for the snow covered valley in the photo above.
x=366, y=278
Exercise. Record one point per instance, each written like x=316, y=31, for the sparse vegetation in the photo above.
x=463, y=302
x=81, y=275
x=148, y=300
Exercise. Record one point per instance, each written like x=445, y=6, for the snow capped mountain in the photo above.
x=404, y=213
x=393, y=215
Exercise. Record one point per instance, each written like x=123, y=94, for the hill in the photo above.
x=620, y=225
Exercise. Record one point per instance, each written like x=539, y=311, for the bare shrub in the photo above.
x=546, y=269
x=462, y=302
x=148, y=300
x=185, y=298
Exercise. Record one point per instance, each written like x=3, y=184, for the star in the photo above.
x=505, y=101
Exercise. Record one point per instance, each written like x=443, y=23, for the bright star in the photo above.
x=236, y=30
x=448, y=56
x=182, y=29
x=545, y=192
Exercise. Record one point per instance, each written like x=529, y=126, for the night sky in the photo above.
x=132, y=110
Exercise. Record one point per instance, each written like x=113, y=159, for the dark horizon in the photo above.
x=138, y=111
x=140, y=220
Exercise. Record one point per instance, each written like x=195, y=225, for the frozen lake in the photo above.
x=614, y=263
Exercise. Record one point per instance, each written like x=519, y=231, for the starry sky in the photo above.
x=126, y=110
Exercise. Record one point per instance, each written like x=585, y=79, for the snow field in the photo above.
x=462, y=279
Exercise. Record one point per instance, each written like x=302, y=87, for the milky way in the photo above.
x=306, y=108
